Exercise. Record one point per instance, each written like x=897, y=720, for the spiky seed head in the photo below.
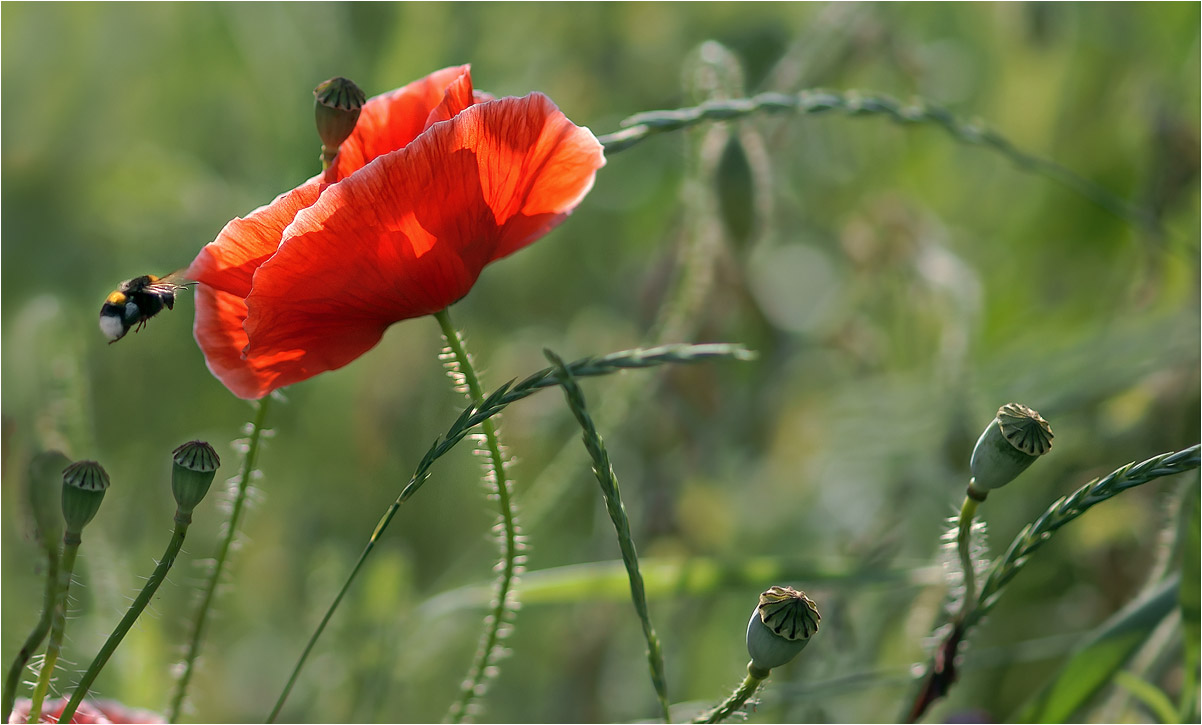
x=780, y=628
x=194, y=465
x=84, y=484
x=1012, y=441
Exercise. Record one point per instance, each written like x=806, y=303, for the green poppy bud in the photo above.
x=194, y=467
x=44, y=489
x=336, y=107
x=1012, y=441
x=84, y=484
x=780, y=627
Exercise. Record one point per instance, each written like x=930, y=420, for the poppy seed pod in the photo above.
x=44, y=491
x=336, y=107
x=194, y=465
x=780, y=627
x=1013, y=440
x=84, y=484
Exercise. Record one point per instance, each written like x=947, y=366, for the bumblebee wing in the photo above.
x=165, y=287
x=174, y=280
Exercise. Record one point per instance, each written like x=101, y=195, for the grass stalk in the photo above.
x=642, y=126
x=617, y=514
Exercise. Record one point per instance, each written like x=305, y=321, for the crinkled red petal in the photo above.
x=458, y=96
x=409, y=234
x=218, y=330
x=392, y=120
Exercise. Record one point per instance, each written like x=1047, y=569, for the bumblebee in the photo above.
x=137, y=300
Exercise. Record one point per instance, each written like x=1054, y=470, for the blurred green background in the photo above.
x=897, y=285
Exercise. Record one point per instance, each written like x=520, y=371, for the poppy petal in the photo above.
x=392, y=120
x=557, y=162
x=218, y=331
x=458, y=96
x=409, y=234
x=229, y=262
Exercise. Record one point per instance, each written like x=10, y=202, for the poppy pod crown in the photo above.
x=435, y=182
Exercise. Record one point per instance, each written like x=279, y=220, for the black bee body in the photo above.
x=135, y=301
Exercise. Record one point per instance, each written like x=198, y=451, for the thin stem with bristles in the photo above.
x=483, y=668
x=240, y=490
x=964, y=547
x=58, y=624
x=736, y=700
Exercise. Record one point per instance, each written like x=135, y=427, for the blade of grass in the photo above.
x=1095, y=664
x=1153, y=698
x=697, y=576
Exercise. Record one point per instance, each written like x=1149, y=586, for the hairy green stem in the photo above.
x=642, y=126
x=34, y=640
x=182, y=520
x=608, y=480
x=58, y=624
x=737, y=699
x=223, y=552
x=964, y=546
x=493, y=404
x=505, y=604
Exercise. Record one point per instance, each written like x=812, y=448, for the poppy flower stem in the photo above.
x=239, y=491
x=58, y=623
x=499, y=620
x=737, y=699
x=641, y=126
x=182, y=520
x=964, y=547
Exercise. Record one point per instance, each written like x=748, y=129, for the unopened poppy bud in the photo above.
x=336, y=107
x=1012, y=441
x=194, y=466
x=780, y=627
x=84, y=484
x=44, y=489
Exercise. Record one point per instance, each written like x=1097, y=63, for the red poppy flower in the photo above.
x=96, y=711
x=435, y=182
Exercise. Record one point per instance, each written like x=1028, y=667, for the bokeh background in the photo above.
x=898, y=286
